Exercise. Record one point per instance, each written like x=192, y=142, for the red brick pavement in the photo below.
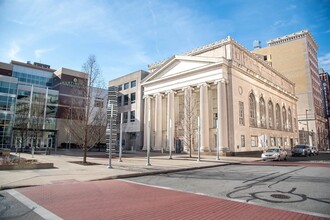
x=115, y=199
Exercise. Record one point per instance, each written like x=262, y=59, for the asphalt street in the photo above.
x=298, y=188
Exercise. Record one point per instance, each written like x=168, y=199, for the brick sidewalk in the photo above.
x=114, y=199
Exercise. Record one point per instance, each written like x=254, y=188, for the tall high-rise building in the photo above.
x=295, y=56
x=325, y=86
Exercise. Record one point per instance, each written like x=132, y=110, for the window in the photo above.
x=98, y=103
x=133, y=84
x=253, y=111
x=119, y=100
x=278, y=117
x=120, y=87
x=132, y=116
x=265, y=58
x=241, y=113
x=270, y=115
x=284, y=119
x=215, y=118
x=272, y=141
x=132, y=97
x=242, y=140
x=254, y=141
x=289, y=120
x=126, y=99
x=125, y=117
x=126, y=85
x=262, y=107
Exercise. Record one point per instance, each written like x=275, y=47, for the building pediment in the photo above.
x=178, y=65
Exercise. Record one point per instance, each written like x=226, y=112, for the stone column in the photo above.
x=204, y=117
x=222, y=134
x=158, y=120
x=147, y=108
x=170, y=119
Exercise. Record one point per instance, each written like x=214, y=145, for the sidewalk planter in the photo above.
x=27, y=166
x=4, y=152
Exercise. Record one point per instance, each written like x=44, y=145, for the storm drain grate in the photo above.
x=280, y=196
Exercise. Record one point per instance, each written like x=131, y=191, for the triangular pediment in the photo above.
x=180, y=64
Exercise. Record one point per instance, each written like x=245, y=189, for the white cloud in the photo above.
x=324, y=62
x=39, y=52
x=13, y=50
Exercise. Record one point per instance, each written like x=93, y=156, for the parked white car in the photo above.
x=274, y=153
x=314, y=151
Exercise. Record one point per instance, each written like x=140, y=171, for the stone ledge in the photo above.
x=27, y=166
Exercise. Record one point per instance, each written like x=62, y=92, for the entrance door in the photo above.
x=50, y=142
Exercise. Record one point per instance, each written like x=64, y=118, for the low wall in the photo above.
x=27, y=166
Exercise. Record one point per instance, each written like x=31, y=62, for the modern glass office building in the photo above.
x=37, y=105
x=28, y=105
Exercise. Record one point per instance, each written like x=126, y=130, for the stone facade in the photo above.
x=130, y=105
x=295, y=56
x=255, y=104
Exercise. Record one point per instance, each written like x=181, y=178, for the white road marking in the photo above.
x=44, y=213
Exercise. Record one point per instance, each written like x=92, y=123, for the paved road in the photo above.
x=293, y=190
x=299, y=188
x=114, y=199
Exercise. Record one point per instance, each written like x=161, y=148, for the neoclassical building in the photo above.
x=228, y=94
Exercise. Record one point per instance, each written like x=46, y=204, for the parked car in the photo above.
x=314, y=151
x=301, y=150
x=274, y=153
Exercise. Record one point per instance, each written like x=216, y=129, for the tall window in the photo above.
x=119, y=100
x=132, y=119
x=133, y=84
x=284, y=119
x=242, y=140
x=126, y=86
x=215, y=118
x=126, y=99
x=289, y=120
x=253, y=111
x=270, y=115
x=262, y=107
x=120, y=87
x=278, y=117
x=241, y=113
x=254, y=141
x=132, y=97
x=125, y=117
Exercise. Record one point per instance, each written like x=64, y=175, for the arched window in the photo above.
x=270, y=115
x=253, y=111
x=290, y=120
x=278, y=117
x=284, y=117
x=262, y=107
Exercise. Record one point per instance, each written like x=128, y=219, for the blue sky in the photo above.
x=126, y=36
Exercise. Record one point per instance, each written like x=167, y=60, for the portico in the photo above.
x=168, y=93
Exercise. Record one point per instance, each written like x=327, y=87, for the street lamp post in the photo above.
x=110, y=136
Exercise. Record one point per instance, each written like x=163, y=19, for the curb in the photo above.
x=124, y=176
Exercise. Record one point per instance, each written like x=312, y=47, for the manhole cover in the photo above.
x=280, y=196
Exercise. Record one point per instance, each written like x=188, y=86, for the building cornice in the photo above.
x=291, y=37
x=194, y=52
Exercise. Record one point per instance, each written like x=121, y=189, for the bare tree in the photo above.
x=21, y=129
x=189, y=119
x=86, y=108
x=36, y=119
